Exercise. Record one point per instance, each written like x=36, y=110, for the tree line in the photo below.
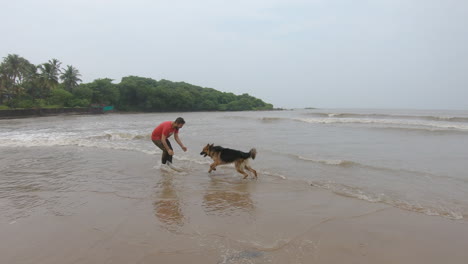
x=48, y=85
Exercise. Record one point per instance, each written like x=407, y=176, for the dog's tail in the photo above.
x=253, y=153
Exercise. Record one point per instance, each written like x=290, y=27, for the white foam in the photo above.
x=327, y=162
x=263, y=172
x=395, y=123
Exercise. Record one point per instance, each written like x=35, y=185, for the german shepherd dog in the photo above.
x=222, y=155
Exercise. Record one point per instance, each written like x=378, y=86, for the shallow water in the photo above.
x=414, y=160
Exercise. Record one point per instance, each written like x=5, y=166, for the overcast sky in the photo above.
x=291, y=53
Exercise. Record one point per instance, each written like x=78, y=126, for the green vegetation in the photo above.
x=25, y=85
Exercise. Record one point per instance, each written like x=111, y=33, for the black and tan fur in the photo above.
x=222, y=155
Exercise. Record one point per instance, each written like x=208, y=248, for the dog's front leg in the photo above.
x=213, y=167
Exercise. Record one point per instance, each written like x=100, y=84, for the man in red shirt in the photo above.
x=161, y=134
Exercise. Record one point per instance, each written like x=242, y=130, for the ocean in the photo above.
x=334, y=185
x=410, y=159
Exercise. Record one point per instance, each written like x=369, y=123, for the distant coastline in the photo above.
x=42, y=112
x=47, y=85
x=39, y=112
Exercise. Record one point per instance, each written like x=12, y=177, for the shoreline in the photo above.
x=42, y=112
x=143, y=214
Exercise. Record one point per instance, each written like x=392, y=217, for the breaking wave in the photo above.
x=390, y=116
x=390, y=123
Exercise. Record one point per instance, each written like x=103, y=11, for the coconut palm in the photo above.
x=12, y=65
x=70, y=78
x=49, y=75
x=14, y=72
x=4, y=81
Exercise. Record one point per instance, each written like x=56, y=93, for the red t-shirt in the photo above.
x=164, y=128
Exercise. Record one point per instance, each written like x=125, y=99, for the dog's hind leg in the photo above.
x=251, y=170
x=239, y=168
x=243, y=173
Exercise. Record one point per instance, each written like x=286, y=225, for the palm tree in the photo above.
x=12, y=64
x=70, y=78
x=4, y=81
x=14, y=71
x=49, y=75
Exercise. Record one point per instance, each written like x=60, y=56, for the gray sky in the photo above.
x=291, y=53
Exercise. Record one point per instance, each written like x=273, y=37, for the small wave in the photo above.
x=271, y=119
x=121, y=136
x=273, y=174
x=423, y=130
x=262, y=119
x=348, y=163
x=338, y=162
x=236, y=117
x=63, y=142
x=390, y=116
x=358, y=193
x=388, y=123
x=198, y=161
x=331, y=162
x=167, y=169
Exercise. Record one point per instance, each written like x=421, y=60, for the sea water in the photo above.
x=411, y=159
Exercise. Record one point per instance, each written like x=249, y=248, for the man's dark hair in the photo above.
x=180, y=120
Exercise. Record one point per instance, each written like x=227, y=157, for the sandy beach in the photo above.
x=200, y=218
x=354, y=115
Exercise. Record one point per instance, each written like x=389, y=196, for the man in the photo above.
x=161, y=134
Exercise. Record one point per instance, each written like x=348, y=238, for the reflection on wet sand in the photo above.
x=227, y=198
x=167, y=207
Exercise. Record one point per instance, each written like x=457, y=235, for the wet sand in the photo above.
x=194, y=217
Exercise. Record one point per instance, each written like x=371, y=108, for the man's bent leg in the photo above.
x=168, y=157
x=165, y=155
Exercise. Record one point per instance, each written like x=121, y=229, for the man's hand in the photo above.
x=171, y=152
x=184, y=148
